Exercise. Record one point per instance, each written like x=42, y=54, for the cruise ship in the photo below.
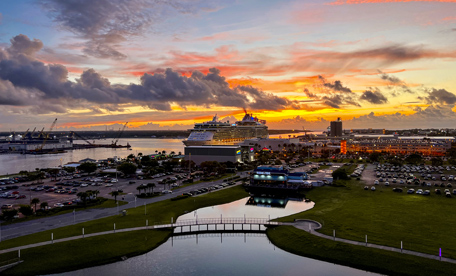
x=215, y=132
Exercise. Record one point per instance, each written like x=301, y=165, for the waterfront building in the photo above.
x=219, y=153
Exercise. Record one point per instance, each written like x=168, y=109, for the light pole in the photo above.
x=117, y=207
x=135, y=201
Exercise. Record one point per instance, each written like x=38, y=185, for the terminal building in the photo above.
x=199, y=154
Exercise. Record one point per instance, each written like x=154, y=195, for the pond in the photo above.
x=227, y=253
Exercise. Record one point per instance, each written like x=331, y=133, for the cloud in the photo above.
x=331, y=94
x=104, y=24
x=373, y=97
x=395, y=82
x=440, y=96
x=24, y=74
x=351, y=2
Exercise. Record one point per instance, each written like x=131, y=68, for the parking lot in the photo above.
x=64, y=191
x=421, y=180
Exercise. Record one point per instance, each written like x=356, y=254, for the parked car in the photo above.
x=7, y=206
x=399, y=190
x=58, y=205
x=411, y=191
x=373, y=188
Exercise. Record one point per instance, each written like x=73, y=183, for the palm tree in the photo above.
x=83, y=196
x=151, y=186
x=44, y=205
x=35, y=201
x=180, y=153
x=115, y=194
x=139, y=188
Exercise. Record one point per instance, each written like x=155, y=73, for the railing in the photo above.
x=221, y=220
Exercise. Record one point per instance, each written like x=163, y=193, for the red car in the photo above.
x=15, y=193
x=20, y=196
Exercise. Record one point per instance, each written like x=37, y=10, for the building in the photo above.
x=404, y=145
x=199, y=154
x=276, y=179
x=272, y=144
x=336, y=128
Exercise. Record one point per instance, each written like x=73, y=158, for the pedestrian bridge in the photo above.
x=220, y=224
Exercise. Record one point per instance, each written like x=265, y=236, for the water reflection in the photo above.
x=219, y=254
x=241, y=208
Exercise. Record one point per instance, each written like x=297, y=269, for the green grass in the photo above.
x=73, y=255
x=302, y=243
x=423, y=223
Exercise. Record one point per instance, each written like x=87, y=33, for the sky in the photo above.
x=159, y=65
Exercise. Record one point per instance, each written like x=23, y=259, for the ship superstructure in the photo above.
x=215, y=132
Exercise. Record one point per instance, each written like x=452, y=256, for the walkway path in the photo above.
x=310, y=226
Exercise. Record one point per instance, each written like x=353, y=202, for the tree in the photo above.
x=69, y=169
x=35, y=201
x=115, y=194
x=340, y=174
x=127, y=168
x=9, y=214
x=83, y=196
x=44, y=205
x=151, y=186
x=436, y=161
x=88, y=167
x=26, y=210
x=414, y=159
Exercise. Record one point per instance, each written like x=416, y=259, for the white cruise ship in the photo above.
x=223, y=133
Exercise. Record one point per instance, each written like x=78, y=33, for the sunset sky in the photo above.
x=168, y=64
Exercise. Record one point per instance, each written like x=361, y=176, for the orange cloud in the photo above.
x=351, y=2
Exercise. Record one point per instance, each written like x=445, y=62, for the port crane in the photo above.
x=82, y=138
x=46, y=135
x=114, y=142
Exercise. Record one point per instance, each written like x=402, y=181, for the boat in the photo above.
x=215, y=132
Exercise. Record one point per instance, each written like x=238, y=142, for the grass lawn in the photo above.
x=302, y=243
x=73, y=255
x=423, y=223
x=159, y=212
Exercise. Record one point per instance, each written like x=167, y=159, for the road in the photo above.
x=38, y=225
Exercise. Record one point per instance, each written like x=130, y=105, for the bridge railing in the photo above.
x=220, y=220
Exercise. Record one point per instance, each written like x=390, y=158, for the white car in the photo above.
x=114, y=180
x=167, y=192
x=108, y=185
x=58, y=205
x=84, y=185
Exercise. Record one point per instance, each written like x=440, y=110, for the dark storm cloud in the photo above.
x=439, y=96
x=373, y=96
x=106, y=23
x=24, y=77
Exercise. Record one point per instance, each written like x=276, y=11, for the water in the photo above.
x=238, y=209
x=216, y=254
x=224, y=254
x=13, y=163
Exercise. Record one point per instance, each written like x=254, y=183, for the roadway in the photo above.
x=38, y=225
